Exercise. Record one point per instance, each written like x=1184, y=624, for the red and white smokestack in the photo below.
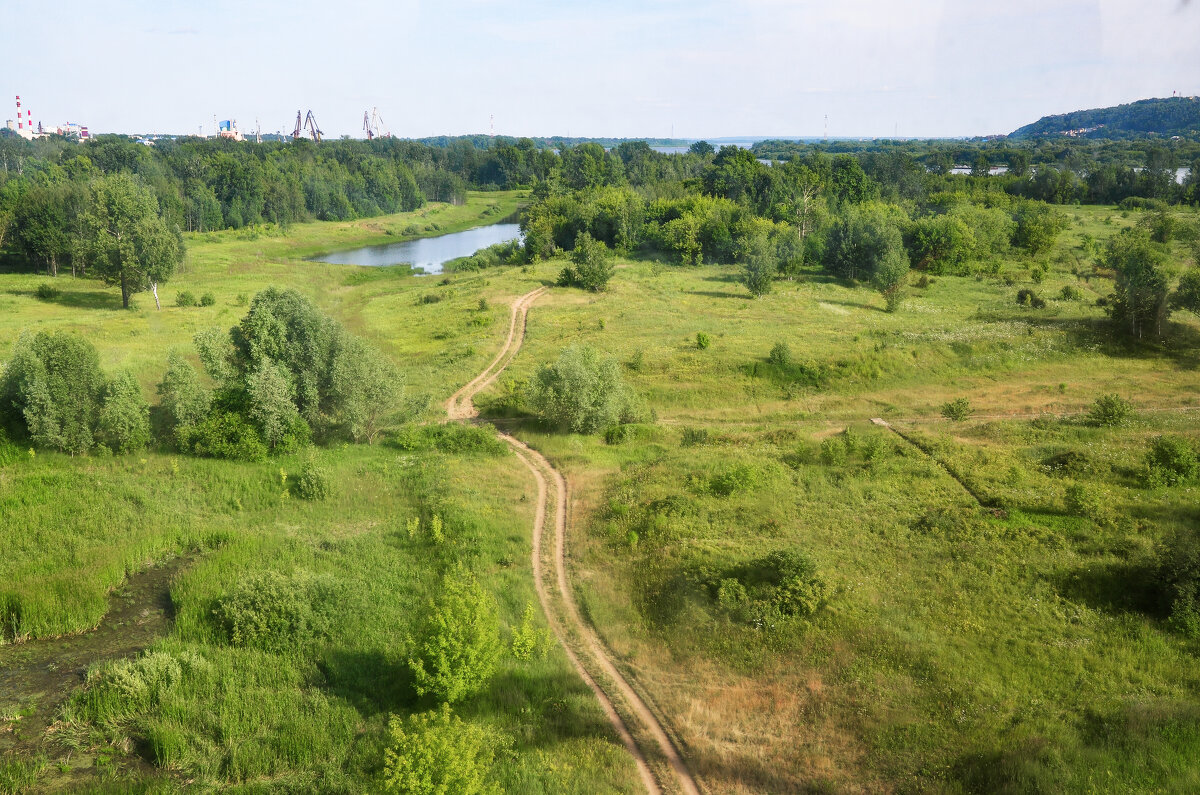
x=20, y=124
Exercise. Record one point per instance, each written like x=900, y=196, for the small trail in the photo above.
x=461, y=407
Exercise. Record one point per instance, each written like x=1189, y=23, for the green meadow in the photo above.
x=980, y=628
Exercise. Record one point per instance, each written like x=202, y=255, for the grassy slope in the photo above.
x=315, y=718
x=1000, y=652
x=1010, y=652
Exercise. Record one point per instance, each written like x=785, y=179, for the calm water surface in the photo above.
x=427, y=253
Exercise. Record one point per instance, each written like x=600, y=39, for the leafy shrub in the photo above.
x=223, y=434
x=1031, y=299
x=458, y=645
x=733, y=479
x=274, y=612
x=785, y=583
x=582, y=392
x=314, y=482
x=833, y=451
x=781, y=355
x=367, y=386
x=124, y=424
x=1171, y=461
x=1071, y=293
x=1069, y=463
x=528, y=640
x=183, y=399
x=702, y=340
x=1110, y=411
x=617, y=434
x=592, y=266
x=429, y=298
x=272, y=409
x=208, y=299
x=436, y=753
x=448, y=437
x=53, y=387
x=121, y=688
x=1179, y=577
x=693, y=437
x=185, y=298
x=1087, y=502
x=957, y=410
x=47, y=292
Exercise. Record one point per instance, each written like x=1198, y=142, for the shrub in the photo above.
x=314, y=482
x=273, y=612
x=592, y=266
x=208, y=299
x=1071, y=293
x=367, y=386
x=692, y=437
x=47, y=292
x=833, y=451
x=786, y=582
x=618, y=434
x=223, y=434
x=448, y=438
x=436, y=753
x=429, y=298
x=53, y=386
x=124, y=424
x=1031, y=299
x=733, y=479
x=1171, y=461
x=458, y=644
x=780, y=356
x=1084, y=501
x=183, y=399
x=271, y=407
x=582, y=392
x=1179, y=577
x=1110, y=411
x=702, y=340
x=957, y=410
x=185, y=298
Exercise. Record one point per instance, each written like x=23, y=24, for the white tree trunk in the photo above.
x=154, y=289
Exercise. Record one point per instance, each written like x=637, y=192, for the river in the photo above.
x=426, y=253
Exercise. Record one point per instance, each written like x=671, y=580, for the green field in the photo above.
x=976, y=638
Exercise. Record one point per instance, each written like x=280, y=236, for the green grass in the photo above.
x=1010, y=646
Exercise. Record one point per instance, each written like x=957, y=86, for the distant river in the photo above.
x=427, y=253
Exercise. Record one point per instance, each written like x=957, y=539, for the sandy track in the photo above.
x=461, y=407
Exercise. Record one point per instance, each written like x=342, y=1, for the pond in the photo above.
x=426, y=253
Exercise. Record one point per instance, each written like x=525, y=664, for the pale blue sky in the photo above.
x=622, y=68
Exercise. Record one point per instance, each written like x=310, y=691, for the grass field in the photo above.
x=965, y=647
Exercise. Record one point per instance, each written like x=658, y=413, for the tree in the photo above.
x=702, y=148
x=582, y=392
x=760, y=266
x=1187, y=295
x=864, y=240
x=1140, y=302
x=1037, y=227
x=592, y=267
x=271, y=408
x=981, y=167
x=436, y=753
x=54, y=387
x=366, y=386
x=458, y=645
x=43, y=224
x=127, y=242
x=124, y=424
x=183, y=398
x=891, y=270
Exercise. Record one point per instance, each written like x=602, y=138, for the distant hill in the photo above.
x=1166, y=117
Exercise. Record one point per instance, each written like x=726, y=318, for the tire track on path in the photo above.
x=460, y=406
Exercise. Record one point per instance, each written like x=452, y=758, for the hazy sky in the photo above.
x=606, y=68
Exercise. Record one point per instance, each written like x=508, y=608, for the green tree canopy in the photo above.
x=127, y=243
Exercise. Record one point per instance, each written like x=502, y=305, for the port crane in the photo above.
x=310, y=124
x=374, y=126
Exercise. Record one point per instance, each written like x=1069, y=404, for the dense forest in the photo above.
x=1167, y=117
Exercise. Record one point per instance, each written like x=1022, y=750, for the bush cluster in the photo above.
x=782, y=584
x=582, y=392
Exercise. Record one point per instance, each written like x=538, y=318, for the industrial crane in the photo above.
x=373, y=124
x=310, y=124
